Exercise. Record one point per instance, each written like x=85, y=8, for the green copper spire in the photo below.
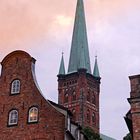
x=79, y=56
x=82, y=63
x=96, y=69
x=62, y=67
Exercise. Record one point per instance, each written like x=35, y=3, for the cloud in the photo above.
x=44, y=28
x=23, y=21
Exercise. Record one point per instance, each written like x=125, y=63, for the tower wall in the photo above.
x=79, y=89
x=79, y=92
x=134, y=101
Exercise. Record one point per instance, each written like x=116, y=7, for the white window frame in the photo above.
x=13, y=117
x=69, y=124
x=31, y=118
x=15, y=87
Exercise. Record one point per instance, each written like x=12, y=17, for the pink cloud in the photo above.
x=23, y=20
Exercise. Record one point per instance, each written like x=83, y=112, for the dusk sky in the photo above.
x=44, y=29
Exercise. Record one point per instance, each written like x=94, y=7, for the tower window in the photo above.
x=88, y=96
x=13, y=117
x=88, y=116
x=15, y=87
x=93, y=99
x=74, y=96
x=93, y=118
x=66, y=98
x=33, y=115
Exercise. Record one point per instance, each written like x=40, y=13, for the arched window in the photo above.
x=15, y=87
x=93, y=118
x=66, y=98
x=33, y=115
x=93, y=99
x=13, y=117
x=88, y=96
x=74, y=96
x=88, y=116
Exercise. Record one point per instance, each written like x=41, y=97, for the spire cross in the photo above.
x=96, y=54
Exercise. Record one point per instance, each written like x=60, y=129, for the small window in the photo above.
x=88, y=96
x=13, y=117
x=88, y=116
x=33, y=115
x=93, y=118
x=74, y=96
x=94, y=100
x=15, y=87
x=66, y=98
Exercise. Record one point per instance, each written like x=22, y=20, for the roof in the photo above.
x=15, y=53
x=79, y=55
x=96, y=69
x=61, y=107
x=62, y=67
x=104, y=137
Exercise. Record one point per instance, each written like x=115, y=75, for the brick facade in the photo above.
x=134, y=100
x=79, y=92
x=50, y=124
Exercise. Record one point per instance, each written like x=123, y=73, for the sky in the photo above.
x=44, y=29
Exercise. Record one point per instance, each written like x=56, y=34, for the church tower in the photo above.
x=79, y=88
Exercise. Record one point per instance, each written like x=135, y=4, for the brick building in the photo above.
x=79, y=88
x=132, y=118
x=24, y=113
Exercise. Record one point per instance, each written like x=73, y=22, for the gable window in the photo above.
x=33, y=115
x=15, y=87
x=13, y=117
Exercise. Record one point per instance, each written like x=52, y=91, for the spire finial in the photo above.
x=62, y=66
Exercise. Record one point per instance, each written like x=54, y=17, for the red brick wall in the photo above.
x=135, y=105
x=51, y=124
x=136, y=122
x=81, y=82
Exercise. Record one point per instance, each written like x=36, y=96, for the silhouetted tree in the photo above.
x=127, y=137
x=91, y=135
